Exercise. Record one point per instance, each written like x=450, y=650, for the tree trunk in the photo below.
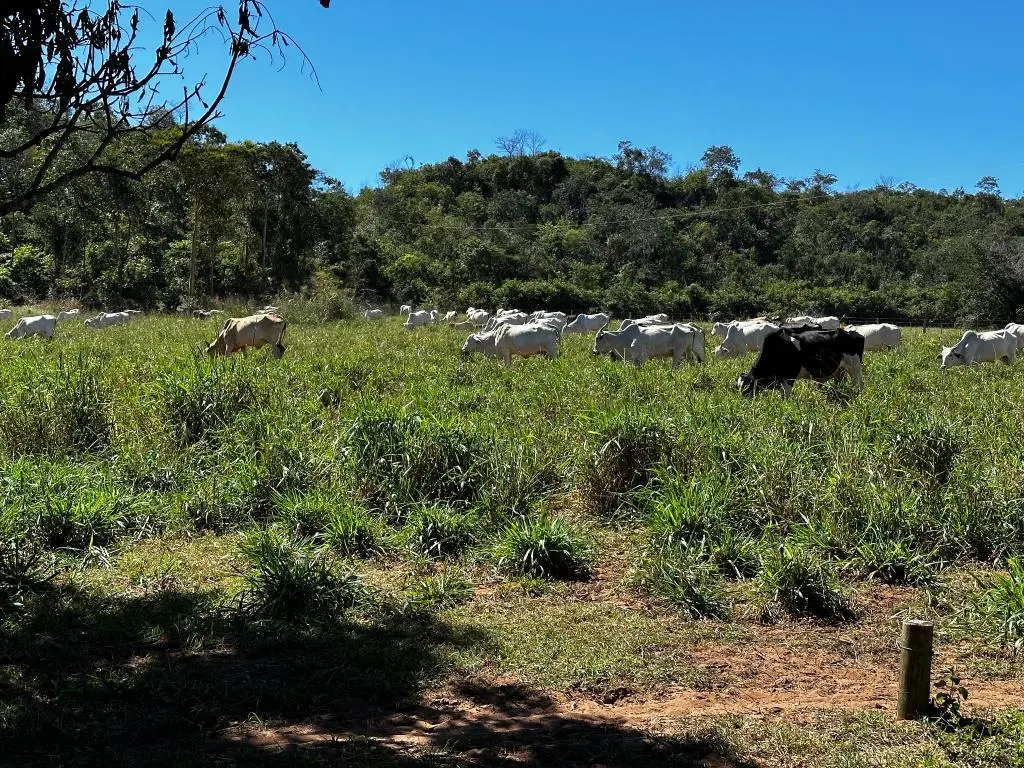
x=263, y=238
x=193, y=261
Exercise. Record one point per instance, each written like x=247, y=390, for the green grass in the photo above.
x=393, y=475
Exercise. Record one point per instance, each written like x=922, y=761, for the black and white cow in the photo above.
x=788, y=355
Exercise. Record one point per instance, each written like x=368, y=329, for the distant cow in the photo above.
x=39, y=325
x=449, y=317
x=6, y=313
x=1017, y=330
x=405, y=309
x=477, y=317
x=253, y=331
x=587, y=323
x=659, y=319
x=675, y=341
x=743, y=338
x=986, y=347
x=464, y=325
x=66, y=314
x=820, y=355
x=373, y=314
x=107, y=319
x=416, y=319
x=526, y=341
x=206, y=314
x=506, y=318
x=878, y=335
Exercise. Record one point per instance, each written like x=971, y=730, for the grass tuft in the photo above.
x=544, y=546
x=801, y=584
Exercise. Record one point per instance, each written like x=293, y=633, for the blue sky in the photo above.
x=928, y=92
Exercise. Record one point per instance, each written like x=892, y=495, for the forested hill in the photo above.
x=529, y=230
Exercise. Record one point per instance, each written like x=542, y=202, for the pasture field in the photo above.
x=375, y=552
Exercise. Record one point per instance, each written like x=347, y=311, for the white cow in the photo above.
x=416, y=319
x=675, y=341
x=449, y=317
x=659, y=319
x=720, y=329
x=482, y=342
x=827, y=323
x=526, y=341
x=65, y=314
x=39, y=325
x=1017, y=329
x=508, y=318
x=801, y=320
x=138, y=312
x=5, y=313
x=878, y=335
x=405, y=309
x=107, y=319
x=478, y=317
x=586, y=323
x=543, y=315
x=741, y=339
x=434, y=316
x=615, y=344
x=254, y=331
x=464, y=325
x=985, y=347
x=373, y=314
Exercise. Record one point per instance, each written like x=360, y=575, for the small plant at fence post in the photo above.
x=915, y=670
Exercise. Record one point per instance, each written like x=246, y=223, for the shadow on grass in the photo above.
x=169, y=680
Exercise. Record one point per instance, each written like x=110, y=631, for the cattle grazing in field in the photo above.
x=520, y=341
x=464, y=325
x=478, y=317
x=107, y=319
x=878, y=335
x=450, y=316
x=38, y=325
x=416, y=319
x=506, y=318
x=206, y=314
x=6, y=313
x=373, y=314
x=741, y=338
x=584, y=323
x=720, y=329
x=66, y=314
x=615, y=344
x=826, y=323
x=675, y=341
x=985, y=347
x=255, y=331
x=1017, y=329
x=659, y=319
x=553, y=319
x=482, y=342
x=405, y=310
x=816, y=354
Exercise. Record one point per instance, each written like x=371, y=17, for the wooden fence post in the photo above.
x=915, y=670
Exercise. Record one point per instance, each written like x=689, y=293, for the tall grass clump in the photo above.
x=688, y=512
x=439, y=532
x=325, y=300
x=353, y=532
x=542, y=545
x=61, y=411
x=927, y=446
x=401, y=460
x=445, y=589
x=896, y=561
x=630, y=448
x=290, y=580
x=799, y=583
x=206, y=397
x=25, y=568
x=999, y=607
x=691, y=586
x=518, y=478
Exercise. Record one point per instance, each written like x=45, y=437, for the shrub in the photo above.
x=440, y=590
x=353, y=532
x=802, y=584
x=544, y=546
x=24, y=568
x=289, y=580
x=693, y=587
x=630, y=448
x=439, y=532
x=209, y=396
x=1000, y=605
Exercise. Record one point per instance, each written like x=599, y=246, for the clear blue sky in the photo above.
x=928, y=92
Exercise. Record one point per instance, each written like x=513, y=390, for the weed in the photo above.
x=439, y=590
x=542, y=545
x=999, y=607
x=802, y=584
x=24, y=568
x=208, y=396
x=439, y=532
x=353, y=532
x=694, y=588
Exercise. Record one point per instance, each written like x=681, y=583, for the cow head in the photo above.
x=747, y=385
x=600, y=345
x=950, y=357
x=216, y=347
x=277, y=350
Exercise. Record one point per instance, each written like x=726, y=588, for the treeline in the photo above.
x=527, y=228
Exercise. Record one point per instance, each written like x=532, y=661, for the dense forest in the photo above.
x=521, y=227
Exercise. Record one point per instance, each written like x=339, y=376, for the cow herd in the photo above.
x=46, y=325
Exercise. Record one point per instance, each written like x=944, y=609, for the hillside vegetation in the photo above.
x=529, y=229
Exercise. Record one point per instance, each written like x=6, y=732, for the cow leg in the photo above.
x=853, y=365
x=787, y=388
x=506, y=357
x=677, y=358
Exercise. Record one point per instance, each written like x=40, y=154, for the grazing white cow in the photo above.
x=464, y=325
x=240, y=333
x=482, y=342
x=107, y=319
x=5, y=313
x=542, y=315
x=1017, y=330
x=526, y=341
x=39, y=325
x=416, y=319
x=659, y=319
x=66, y=314
x=675, y=341
x=373, y=314
x=586, y=323
x=478, y=317
x=405, y=309
x=449, y=317
x=138, y=312
x=509, y=318
x=878, y=335
x=720, y=329
x=741, y=339
x=801, y=320
x=615, y=344
x=986, y=347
